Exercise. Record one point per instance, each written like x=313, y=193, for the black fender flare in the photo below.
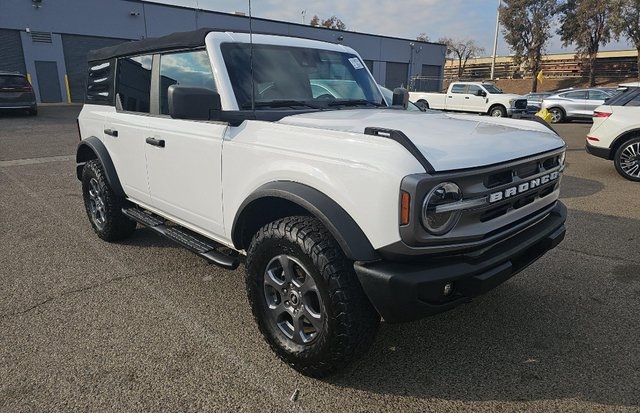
x=338, y=222
x=91, y=146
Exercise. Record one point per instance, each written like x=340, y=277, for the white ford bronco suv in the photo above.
x=347, y=208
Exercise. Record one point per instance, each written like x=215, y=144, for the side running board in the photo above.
x=196, y=243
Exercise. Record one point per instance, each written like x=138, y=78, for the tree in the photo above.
x=422, y=37
x=332, y=22
x=462, y=50
x=527, y=27
x=625, y=21
x=585, y=23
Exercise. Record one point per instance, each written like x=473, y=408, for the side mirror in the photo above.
x=482, y=93
x=400, y=97
x=196, y=103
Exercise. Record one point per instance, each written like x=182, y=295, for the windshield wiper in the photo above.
x=357, y=102
x=283, y=104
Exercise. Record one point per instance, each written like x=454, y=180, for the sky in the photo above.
x=458, y=19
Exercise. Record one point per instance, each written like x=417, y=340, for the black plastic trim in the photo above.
x=604, y=153
x=403, y=291
x=344, y=229
x=403, y=140
x=98, y=148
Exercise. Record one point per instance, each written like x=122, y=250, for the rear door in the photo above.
x=595, y=98
x=575, y=103
x=456, y=96
x=126, y=127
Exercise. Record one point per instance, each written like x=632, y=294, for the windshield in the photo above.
x=286, y=76
x=491, y=89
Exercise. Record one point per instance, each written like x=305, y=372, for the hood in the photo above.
x=448, y=142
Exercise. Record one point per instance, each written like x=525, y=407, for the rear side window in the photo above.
x=635, y=101
x=575, y=95
x=627, y=97
x=186, y=69
x=133, y=83
x=13, y=82
x=457, y=88
x=598, y=95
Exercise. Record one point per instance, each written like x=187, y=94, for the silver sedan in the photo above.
x=575, y=103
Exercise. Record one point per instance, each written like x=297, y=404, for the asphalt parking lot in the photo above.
x=144, y=325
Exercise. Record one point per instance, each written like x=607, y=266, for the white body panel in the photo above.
x=448, y=142
x=361, y=173
x=622, y=120
x=185, y=175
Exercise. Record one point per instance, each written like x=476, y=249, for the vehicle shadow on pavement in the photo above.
x=565, y=328
x=573, y=187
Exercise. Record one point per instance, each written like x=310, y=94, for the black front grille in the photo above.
x=520, y=104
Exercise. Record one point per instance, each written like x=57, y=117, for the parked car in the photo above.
x=575, y=103
x=16, y=93
x=615, y=133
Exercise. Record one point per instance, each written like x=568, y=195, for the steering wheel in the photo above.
x=325, y=96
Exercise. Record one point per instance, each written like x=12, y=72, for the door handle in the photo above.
x=111, y=132
x=466, y=97
x=155, y=142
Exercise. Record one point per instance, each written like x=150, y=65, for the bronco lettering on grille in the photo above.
x=523, y=187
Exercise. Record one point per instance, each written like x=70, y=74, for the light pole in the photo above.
x=495, y=40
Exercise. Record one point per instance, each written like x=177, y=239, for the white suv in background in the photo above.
x=615, y=134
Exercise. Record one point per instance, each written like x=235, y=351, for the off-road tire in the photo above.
x=349, y=321
x=112, y=224
x=631, y=169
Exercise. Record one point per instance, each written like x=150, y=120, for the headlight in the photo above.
x=562, y=158
x=436, y=219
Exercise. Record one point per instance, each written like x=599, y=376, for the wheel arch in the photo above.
x=279, y=199
x=617, y=142
x=92, y=148
x=495, y=105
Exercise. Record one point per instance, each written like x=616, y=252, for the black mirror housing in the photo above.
x=400, y=97
x=196, y=103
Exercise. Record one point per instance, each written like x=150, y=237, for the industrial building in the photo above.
x=49, y=39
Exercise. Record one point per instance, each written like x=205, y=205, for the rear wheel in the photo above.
x=627, y=159
x=103, y=206
x=557, y=115
x=422, y=104
x=306, y=298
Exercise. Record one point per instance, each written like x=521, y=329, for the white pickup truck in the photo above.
x=474, y=97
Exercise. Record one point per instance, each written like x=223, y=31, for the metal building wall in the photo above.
x=135, y=19
x=75, y=57
x=12, y=59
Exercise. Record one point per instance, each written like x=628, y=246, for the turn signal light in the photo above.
x=405, y=200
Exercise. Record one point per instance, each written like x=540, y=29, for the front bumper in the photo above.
x=604, y=153
x=404, y=291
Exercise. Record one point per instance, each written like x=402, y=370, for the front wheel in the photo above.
x=498, y=112
x=305, y=297
x=627, y=159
